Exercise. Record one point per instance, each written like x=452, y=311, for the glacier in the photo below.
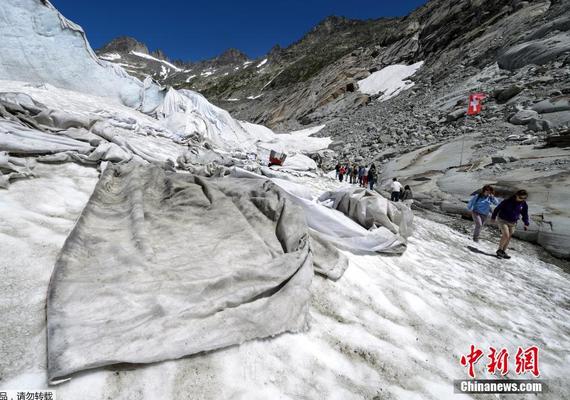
x=392, y=327
x=383, y=327
x=40, y=46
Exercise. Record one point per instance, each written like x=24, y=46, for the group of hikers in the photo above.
x=506, y=214
x=365, y=176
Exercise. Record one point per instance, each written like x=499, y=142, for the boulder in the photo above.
x=500, y=160
x=561, y=103
x=503, y=95
x=530, y=140
x=538, y=125
x=562, y=141
x=454, y=207
x=559, y=118
x=455, y=115
x=523, y=117
x=338, y=144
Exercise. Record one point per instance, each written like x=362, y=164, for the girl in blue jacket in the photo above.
x=480, y=207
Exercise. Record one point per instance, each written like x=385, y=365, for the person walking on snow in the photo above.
x=337, y=169
x=480, y=207
x=354, y=173
x=372, y=176
x=360, y=174
x=341, y=172
x=396, y=189
x=507, y=215
x=365, y=177
x=407, y=193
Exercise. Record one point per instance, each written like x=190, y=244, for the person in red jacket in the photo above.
x=341, y=173
x=507, y=215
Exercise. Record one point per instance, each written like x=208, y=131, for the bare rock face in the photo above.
x=561, y=103
x=231, y=56
x=314, y=79
x=558, y=119
x=124, y=44
x=536, y=52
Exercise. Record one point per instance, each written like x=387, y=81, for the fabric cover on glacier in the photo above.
x=163, y=264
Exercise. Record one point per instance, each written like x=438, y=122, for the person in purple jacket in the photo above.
x=507, y=215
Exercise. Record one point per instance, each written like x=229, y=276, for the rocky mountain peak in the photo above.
x=333, y=23
x=124, y=44
x=159, y=54
x=231, y=56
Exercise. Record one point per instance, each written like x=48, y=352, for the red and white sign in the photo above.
x=475, y=103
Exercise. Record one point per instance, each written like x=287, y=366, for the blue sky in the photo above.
x=191, y=30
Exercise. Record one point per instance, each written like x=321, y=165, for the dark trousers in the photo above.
x=395, y=196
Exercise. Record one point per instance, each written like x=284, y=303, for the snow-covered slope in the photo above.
x=391, y=327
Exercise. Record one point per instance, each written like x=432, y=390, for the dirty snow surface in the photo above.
x=391, y=327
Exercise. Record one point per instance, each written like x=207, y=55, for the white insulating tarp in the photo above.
x=372, y=210
x=342, y=229
x=186, y=112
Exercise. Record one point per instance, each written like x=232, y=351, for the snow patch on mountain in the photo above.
x=389, y=81
x=110, y=56
x=149, y=57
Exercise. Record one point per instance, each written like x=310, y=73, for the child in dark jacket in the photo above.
x=507, y=215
